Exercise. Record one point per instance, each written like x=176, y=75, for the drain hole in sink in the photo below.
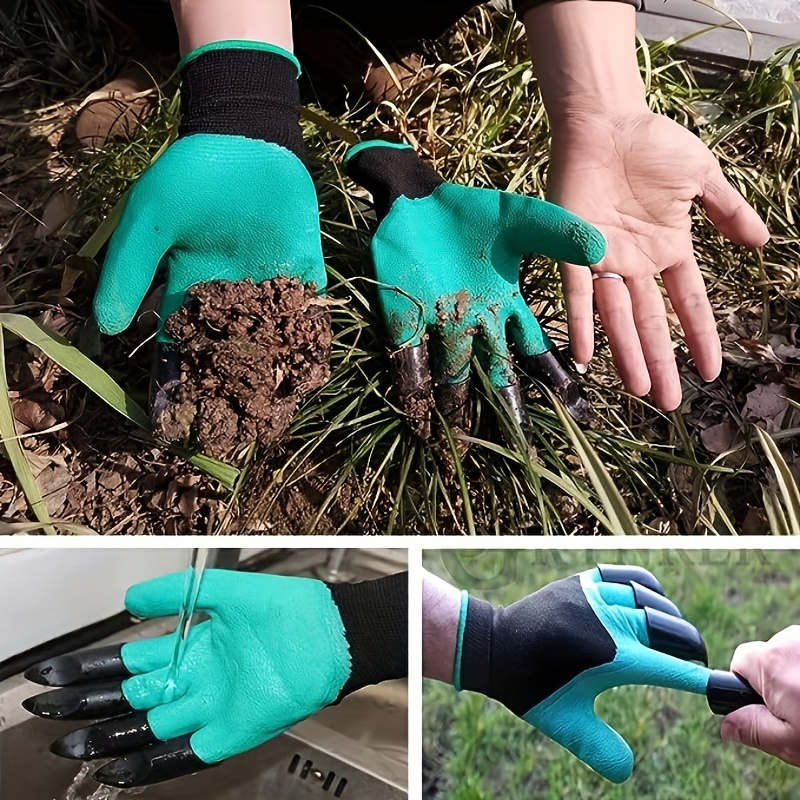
x=306, y=771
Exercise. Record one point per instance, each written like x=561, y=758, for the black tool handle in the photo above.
x=727, y=691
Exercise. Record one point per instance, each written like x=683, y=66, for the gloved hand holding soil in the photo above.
x=231, y=210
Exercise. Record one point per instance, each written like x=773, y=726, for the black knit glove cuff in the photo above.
x=375, y=617
x=389, y=172
x=252, y=93
x=521, y=6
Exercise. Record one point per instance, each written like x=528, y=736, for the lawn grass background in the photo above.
x=475, y=749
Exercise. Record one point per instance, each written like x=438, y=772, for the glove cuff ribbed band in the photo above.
x=242, y=92
x=474, y=667
x=462, y=624
x=375, y=618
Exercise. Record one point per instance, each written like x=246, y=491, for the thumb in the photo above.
x=756, y=726
x=573, y=724
x=731, y=214
x=536, y=226
x=136, y=247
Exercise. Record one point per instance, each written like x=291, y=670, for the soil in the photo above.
x=249, y=353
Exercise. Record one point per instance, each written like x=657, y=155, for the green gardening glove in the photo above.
x=229, y=200
x=548, y=656
x=447, y=261
x=274, y=651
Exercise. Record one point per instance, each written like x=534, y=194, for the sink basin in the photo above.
x=356, y=750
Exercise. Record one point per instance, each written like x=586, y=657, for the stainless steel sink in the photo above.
x=355, y=750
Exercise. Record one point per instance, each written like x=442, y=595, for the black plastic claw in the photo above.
x=87, y=701
x=675, y=637
x=161, y=762
x=551, y=369
x=165, y=379
x=100, y=663
x=515, y=404
x=412, y=387
x=111, y=737
x=727, y=691
x=453, y=401
x=647, y=598
x=623, y=573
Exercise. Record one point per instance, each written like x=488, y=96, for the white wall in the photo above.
x=47, y=593
x=768, y=10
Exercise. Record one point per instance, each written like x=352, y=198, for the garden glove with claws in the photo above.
x=548, y=656
x=229, y=200
x=274, y=651
x=447, y=261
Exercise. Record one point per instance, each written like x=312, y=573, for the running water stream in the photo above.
x=191, y=590
x=83, y=786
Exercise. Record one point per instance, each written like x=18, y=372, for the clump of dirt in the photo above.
x=248, y=354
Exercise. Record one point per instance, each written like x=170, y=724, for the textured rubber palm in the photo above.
x=449, y=261
x=216, y=208
x=273, y=652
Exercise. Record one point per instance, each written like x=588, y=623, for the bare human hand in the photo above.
x=635, y=175
x=773, y=670
x=636, y=178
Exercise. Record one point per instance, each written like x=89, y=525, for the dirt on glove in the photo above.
x=249, y=353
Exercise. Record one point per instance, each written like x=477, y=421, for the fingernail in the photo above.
x=581, y=369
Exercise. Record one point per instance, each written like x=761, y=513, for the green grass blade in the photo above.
x=15, y=453
x=78, y=365
x=622, y=523
x=569, y=487
x=458, y=467
x=716, y=505
x=790, y=492
x=225, y=474
x=94, y=244
x=401, y=487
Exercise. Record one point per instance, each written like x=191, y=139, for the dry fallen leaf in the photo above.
x=767, y=405
x=720, y=438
